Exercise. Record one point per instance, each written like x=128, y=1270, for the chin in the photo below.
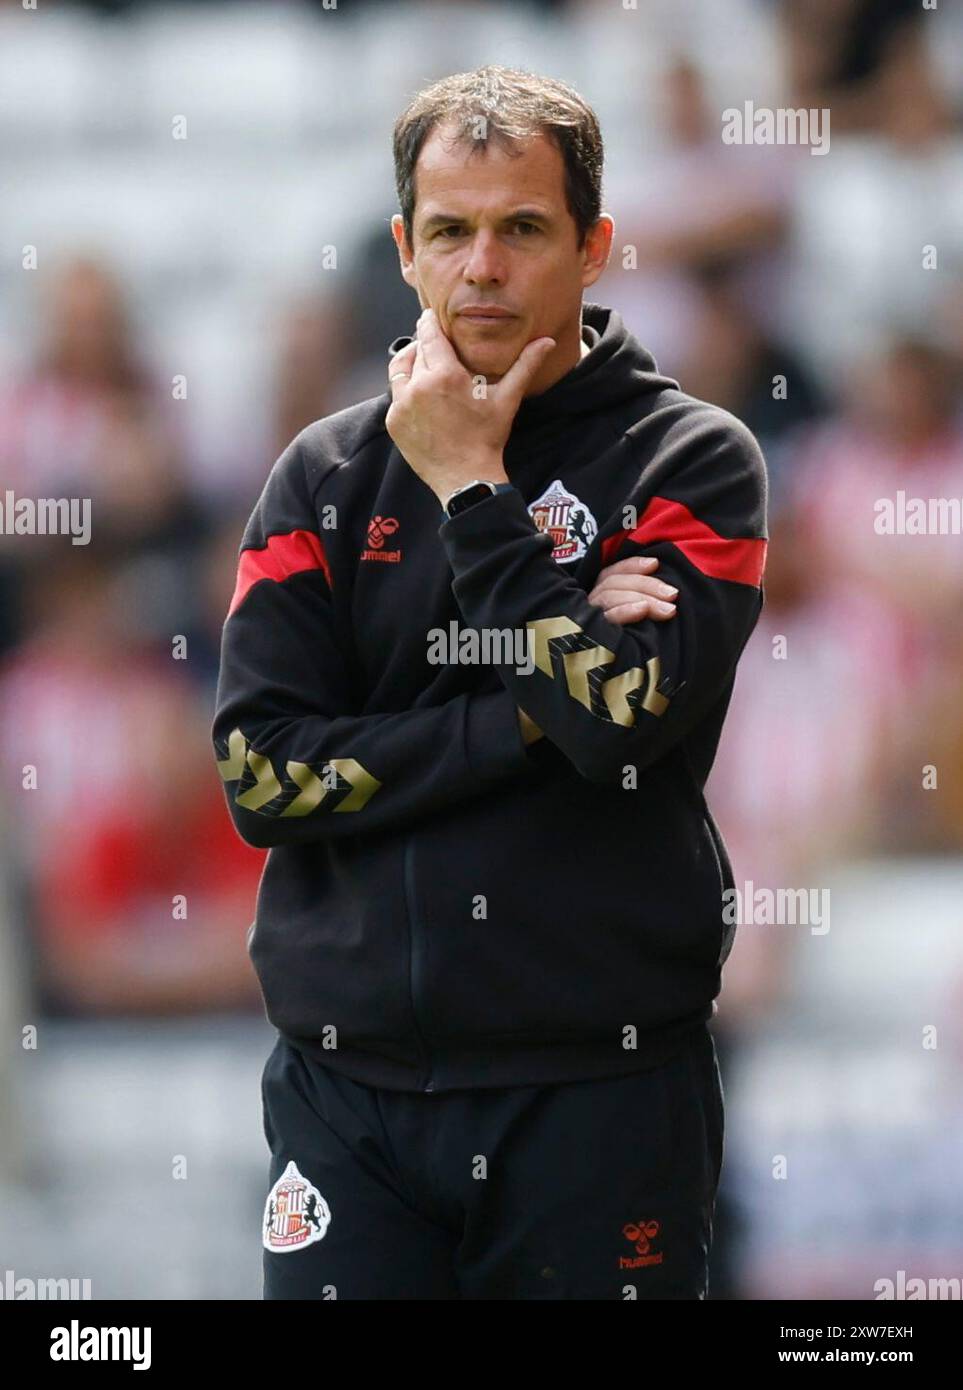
x=491, y=371
x=491, y=363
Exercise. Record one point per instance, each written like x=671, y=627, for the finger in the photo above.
x=607, y=595
x=400, y=368
x=520, y=373
x=644, y=608
x=633, y=565
x=645, y=605
x=405, y=356
x=421, y=362
x=434, y=348
x=635, y=585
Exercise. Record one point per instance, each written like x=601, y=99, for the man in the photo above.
x=473, y=729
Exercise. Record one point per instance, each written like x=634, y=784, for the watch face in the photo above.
x=468, y=498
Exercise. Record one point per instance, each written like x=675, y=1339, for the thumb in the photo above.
x=524, y=368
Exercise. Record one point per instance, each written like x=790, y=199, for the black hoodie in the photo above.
x=444, y=905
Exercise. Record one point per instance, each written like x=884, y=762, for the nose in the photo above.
x=486, y=260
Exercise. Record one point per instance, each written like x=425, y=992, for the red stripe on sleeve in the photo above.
x=279, y=559
x=720, y=557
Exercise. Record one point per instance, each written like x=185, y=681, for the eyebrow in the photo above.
x=445, y=219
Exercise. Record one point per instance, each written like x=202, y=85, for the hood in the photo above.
x=616, y=367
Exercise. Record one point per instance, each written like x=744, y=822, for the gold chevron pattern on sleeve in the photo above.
x=303, y=790
x=564, y=651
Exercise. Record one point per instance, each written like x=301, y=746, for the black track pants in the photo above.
x=585, y=1190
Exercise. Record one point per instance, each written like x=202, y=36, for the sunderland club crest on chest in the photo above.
x=295, y=1213
x=561, y=515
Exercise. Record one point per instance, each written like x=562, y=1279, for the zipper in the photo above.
x=415, y=957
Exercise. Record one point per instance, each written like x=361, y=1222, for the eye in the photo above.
x=453, y=227
x=527, y=227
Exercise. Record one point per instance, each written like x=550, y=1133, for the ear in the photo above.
x=404, y=251
x=597, y=249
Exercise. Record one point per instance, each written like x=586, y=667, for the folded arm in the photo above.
x=610, y=696
x=297, y=765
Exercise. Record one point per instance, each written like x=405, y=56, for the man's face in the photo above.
x=492, y=232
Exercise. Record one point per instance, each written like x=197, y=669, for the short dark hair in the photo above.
x=507, y=105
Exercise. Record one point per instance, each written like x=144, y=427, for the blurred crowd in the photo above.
x=789, y=289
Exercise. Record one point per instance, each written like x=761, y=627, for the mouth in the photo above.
x=481, y=315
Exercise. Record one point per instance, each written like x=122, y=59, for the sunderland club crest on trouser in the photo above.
x=568, y=521
x=295, y=1213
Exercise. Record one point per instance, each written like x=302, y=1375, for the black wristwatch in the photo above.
x=475, y=491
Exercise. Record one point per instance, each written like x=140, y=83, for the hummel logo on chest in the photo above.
x=379, y=528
